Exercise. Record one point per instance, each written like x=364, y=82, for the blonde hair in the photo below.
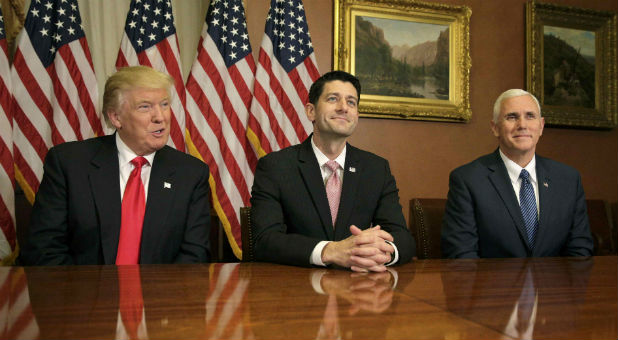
x=129, y=78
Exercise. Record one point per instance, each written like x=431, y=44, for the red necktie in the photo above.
x=132, y=217
x=333, y=189
x=131, y=300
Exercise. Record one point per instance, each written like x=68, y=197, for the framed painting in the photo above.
x=571, y=64
x=412, y=58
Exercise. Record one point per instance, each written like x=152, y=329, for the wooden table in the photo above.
x=551, y=298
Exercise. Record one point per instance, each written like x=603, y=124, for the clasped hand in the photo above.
x=364, y=251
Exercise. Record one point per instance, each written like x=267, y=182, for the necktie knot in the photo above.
x=332, y=165
x=524, y=175
x=139, y=161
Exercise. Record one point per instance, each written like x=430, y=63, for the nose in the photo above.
x=157, y=114
x=342, y=105
x=522, y=123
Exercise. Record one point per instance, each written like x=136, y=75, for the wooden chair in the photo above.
x=426, y=226
x=599, y=215
x=246, y=234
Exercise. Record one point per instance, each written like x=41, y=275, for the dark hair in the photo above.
x=318, y=86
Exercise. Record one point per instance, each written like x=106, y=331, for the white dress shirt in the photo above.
x=514, y=170
x=125, y=156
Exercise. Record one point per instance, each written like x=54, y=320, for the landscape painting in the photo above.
x=569, y=66
x=402, y=58
x=412, y=58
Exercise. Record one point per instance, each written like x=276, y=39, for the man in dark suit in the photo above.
x=302, y=213
x=82, y=213
x=513, y=203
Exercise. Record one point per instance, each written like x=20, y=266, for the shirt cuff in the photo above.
x=316, y=254
x=395, y=254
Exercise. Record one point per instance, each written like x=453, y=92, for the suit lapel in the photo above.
x=351, y=177
x=105, y=185
x=546, y=197
x=312, y=177
x=499, y=177
x=161, y=189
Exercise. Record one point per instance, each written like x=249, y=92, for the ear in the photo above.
x=310, y=112
x=542, y=126
x=494, y=128
x=114, y=118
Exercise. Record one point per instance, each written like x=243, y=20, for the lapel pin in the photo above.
x=545, y=184
x=167, y=185
x=352, y=169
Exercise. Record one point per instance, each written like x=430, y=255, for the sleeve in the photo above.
x=459, y=230
x=580, y=241
x=195, y=247
x=389, y=216
x=47, y=242
x=273, y=243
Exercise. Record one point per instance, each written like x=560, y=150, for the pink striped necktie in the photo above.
x=333, y=189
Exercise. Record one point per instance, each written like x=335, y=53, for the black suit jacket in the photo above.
x=290, y=211
x=483, y=217
x=76, y=214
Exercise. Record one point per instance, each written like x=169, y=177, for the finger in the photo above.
x=354, y=230
x=363, y=262
x=359, y=269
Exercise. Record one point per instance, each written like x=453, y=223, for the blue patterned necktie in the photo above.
x=527, y=203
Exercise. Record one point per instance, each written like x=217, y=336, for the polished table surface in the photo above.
x=543, y=298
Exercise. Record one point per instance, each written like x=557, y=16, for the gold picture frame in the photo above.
x=374, y=39
x=571, y=64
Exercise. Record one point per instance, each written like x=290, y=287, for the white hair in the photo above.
x=510, y=94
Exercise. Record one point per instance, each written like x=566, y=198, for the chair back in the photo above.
x=426, y=226
x=246, y=234
x=599, y=215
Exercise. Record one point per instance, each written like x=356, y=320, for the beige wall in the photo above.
x=422, y=154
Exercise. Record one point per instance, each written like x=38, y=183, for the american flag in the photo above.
x=7, y=175
x=54, y=88
x=150, y=39
x=286, y=69
x=220, y=87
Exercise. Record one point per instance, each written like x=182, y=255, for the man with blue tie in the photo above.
x=512, y=202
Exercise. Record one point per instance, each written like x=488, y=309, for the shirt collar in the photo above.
x=514, y=169
x=126, y=155
x=322, y=159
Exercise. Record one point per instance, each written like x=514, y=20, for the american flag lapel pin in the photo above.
x=167, y=185
x=545, y=184
x=352, y=169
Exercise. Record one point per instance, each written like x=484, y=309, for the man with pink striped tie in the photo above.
x=324, y=202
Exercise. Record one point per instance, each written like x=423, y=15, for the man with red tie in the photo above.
x=125, y=198
x=325, y=202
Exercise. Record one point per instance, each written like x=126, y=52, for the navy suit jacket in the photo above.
x=76, y=214
x=483, y=217
x=290, y=211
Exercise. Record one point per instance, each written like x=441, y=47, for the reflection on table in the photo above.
x=447, y=299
